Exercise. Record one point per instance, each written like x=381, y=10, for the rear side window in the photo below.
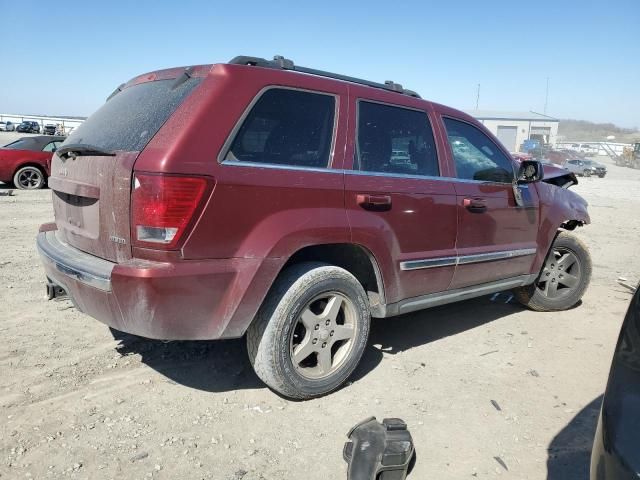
x=476, y=156
x=130, y=119
x=49, y=147
x=395, y=140
x=286, y=127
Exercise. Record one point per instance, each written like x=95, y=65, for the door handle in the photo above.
x=475, y=205
x=373, y=202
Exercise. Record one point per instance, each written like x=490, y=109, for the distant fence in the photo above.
x=68, y=124
x=616, y=147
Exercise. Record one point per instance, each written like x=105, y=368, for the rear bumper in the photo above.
x=186, y=300
x=72, y=264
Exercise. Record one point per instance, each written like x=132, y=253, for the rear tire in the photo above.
x=564, y=277
x=29, y=178
x=311, y=331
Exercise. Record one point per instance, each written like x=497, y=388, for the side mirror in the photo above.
x=530, y=171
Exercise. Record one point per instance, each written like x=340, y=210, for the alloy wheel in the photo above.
x=29, y=179
x=561, y=274
x=323, y=336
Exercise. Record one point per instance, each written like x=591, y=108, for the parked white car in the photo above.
x=7, y=127
x=586, y=148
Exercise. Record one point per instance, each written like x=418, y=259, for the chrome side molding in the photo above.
x=465, y=259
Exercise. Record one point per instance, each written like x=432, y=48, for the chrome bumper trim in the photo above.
x=73, y=263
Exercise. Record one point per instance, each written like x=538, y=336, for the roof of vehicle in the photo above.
x=38, y=142
x=287, y=67
x=281, y=63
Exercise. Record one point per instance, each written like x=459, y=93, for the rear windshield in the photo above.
x=22, y=144
x=132, y=117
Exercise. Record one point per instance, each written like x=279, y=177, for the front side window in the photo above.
x=475, y=155
x=287, y=127
x=395, y=140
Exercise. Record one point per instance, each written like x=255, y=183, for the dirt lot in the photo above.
x=77, y=403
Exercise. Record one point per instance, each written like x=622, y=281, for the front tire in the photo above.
x=311, y=331
x=29, y=178
x=564, y=277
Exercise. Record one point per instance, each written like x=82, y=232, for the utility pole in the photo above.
x=478, y=97
x=546, y=97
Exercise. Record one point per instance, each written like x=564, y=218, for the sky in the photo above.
x=66, y=58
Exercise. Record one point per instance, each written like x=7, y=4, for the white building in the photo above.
x=513, y=128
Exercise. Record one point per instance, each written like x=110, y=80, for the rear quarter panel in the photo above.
x=256, y=213
x=253, y=211
x=12, y=160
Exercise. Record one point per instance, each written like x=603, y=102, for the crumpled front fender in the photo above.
x=559, y=208
x=560, y=205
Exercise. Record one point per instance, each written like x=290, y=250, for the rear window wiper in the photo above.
x=83, y=149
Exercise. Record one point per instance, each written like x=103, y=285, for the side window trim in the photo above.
x=226, y=147
x=355, y=167
x=453, y=160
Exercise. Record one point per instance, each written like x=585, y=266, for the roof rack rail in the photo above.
x=282, y=63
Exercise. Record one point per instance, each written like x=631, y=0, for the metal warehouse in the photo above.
x=513, y=128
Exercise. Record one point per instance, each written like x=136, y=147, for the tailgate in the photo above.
x=92, y=186
x=91, y=197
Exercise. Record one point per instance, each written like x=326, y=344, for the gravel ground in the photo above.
x=488, y=388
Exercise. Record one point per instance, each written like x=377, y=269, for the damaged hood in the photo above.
x=558, y=176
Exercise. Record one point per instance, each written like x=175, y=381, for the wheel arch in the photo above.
x=354, y=258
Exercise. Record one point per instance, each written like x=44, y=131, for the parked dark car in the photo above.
x=49, y=129
x=26, y=162
x=598, y=168
x=28, y=127
x=616, y=448
x=585, y=168
x=263, y=199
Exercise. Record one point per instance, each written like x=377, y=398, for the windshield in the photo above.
x=131, y=118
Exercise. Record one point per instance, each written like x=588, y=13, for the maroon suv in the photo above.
x=290, y=205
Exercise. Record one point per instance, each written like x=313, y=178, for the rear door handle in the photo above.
x=373, y=202
x=475, y=205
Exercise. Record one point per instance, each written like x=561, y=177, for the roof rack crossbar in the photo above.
x=282, y=63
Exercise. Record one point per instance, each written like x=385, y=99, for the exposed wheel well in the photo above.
x=355, y=259
x=571, y=225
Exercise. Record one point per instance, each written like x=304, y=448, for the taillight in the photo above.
x=163, y=207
